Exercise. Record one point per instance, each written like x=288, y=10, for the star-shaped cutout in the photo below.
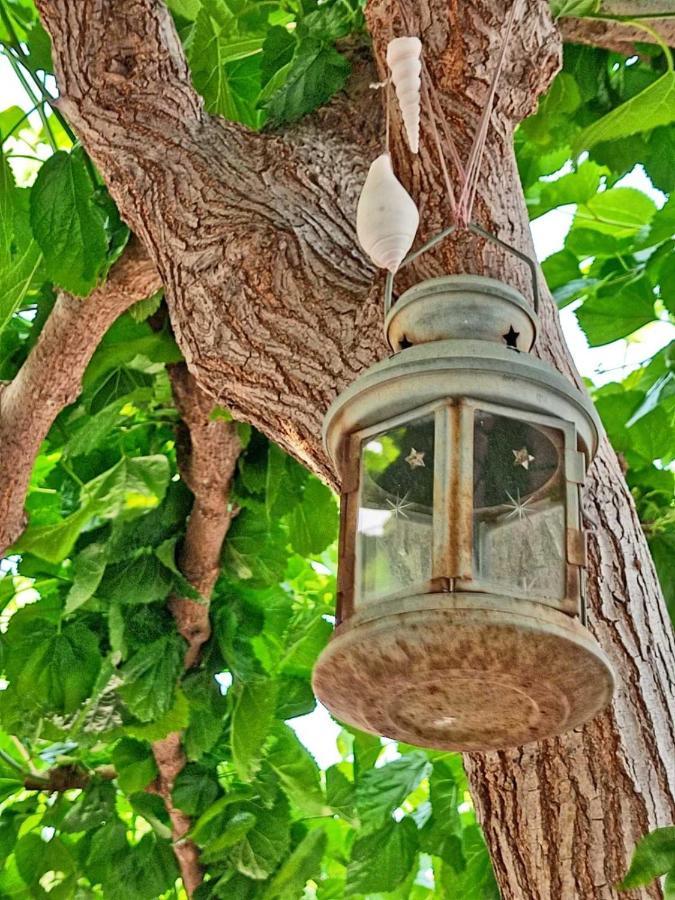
x=415, y=459
x=511, y=339
x=522, y=457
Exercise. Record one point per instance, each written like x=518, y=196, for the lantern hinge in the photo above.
x=576, y=547
x=575, y=466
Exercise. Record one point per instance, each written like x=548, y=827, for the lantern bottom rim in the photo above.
x=464, y=672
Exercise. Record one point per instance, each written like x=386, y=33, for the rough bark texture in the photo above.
x=276, y=342
x=619, y=36
x=51, y=377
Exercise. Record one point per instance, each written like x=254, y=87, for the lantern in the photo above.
x=460, y=615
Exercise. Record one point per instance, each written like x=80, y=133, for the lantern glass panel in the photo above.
x=519, y=507
x=394, y=535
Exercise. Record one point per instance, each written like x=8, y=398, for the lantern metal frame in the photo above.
x=511, y=665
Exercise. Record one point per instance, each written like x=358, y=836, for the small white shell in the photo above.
x=386, y=217
x=403, y=59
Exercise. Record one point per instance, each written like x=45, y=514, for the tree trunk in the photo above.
x=275, y=310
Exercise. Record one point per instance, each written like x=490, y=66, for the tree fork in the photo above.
x=276, y=342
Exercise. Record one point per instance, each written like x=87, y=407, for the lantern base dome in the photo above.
x=463, y=671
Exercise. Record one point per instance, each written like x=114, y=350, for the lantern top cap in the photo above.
x=461, y=307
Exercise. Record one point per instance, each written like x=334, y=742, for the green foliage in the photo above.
x=616, y=266
x=268, y=63
x=654, y=856
x=88, y=647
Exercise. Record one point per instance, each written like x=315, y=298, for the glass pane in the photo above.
x=394, y=538
x=519, y=507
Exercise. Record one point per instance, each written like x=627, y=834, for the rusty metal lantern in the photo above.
x=460, y=619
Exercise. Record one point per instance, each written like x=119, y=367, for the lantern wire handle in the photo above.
x=446, y=232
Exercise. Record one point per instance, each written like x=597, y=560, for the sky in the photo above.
x=611, y=362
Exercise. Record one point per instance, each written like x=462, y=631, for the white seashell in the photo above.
x=386, y=217
x=405, y=64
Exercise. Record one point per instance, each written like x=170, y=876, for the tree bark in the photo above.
x=275, y=341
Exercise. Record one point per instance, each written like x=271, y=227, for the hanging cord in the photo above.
x=474, y=163
x=462, y=209
x=439, y=149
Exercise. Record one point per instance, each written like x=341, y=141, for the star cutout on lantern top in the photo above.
x=511, y=338
x=415, y=459
x=522, y=457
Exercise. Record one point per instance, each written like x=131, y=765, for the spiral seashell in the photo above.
x=386, y=216
x=405, y=65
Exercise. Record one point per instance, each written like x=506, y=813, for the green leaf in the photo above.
x=382, y=790
x=210, y=823
x=653, y=106
x=313, y=522
x=152, y=809
x=251, y=723
x=93, y=808
x=341, y=794
x=266, y=843
x=316, y=72
x=277, y=51
x=150, y=678
x=207, y=714
x=222, y=70
x=88, y=569
x=612, y=314
x=135, y=765
x=297, y=772
x=16, y=278
x=653, y=856
x=61, y=670
x=36, y=857
x=234, y=830
x=303, y=863
x=476, y=880
x=142, y=580
x=381, y=860
x=619, y=212
x=303, y=651
x=127, y=872
x=195, y=789
x=255, y=551
x=575, y=8
x=128, y=489
x=576, y=187
x=67, y=224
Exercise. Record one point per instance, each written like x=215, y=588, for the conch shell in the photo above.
x=386, y=217
x=405, y=64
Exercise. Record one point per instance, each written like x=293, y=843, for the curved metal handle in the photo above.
x=475, y=229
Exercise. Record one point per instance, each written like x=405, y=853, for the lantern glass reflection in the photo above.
x=394, y=539
x=519, y=506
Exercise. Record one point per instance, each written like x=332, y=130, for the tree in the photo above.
x=274, y=309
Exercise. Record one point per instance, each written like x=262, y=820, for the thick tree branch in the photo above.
x=51, y=376
x=622, y=37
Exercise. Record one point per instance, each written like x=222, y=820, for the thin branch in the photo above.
x=207, y=468
x=51, y=376
x=207, y=452
x=620, y=36
x=66, y=778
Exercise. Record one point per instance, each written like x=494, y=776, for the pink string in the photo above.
x=473, y=167
x=468, y=178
